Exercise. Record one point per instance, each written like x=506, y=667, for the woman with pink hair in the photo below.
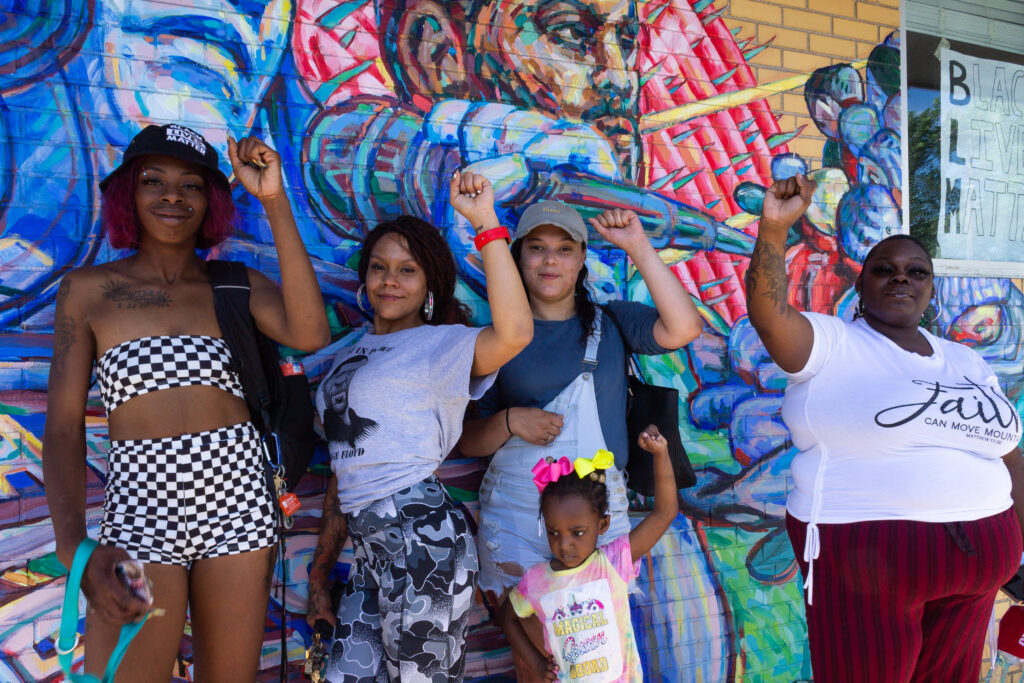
x=185, y=490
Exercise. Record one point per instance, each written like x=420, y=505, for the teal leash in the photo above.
x=67, y=640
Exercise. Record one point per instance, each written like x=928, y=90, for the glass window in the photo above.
x=965, y=132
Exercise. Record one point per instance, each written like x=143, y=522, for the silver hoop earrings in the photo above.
x=428, y=306
x=359, y=300
x=936, y=304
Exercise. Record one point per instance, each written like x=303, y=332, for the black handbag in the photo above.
x=1015, y=586
x=651, y=404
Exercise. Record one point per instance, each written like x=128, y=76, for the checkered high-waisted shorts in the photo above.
x=183, y=498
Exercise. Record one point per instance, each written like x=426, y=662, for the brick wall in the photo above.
x=722, y=597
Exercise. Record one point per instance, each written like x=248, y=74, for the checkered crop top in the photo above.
x=139, y=366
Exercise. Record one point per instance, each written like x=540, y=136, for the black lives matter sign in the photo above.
x=981, y=211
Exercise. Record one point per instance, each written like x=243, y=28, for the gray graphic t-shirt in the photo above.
x=392, y=407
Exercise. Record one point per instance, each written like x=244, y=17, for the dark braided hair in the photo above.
x=586, y=309
x=590, y=488
x=432, y=254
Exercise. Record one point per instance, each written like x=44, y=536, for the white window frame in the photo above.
x=998, y=24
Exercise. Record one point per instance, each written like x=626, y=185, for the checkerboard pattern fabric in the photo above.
x=139, y=366
x=183, y=498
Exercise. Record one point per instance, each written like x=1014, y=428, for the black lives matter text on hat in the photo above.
x=174, y=141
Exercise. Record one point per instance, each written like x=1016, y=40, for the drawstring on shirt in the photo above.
x=812, y=545
x=812, y=542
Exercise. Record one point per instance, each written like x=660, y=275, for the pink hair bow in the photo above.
x=545, y=472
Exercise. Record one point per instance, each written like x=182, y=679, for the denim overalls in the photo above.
x=511, y=530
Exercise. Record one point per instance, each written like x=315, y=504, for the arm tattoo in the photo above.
x=767, y=275
x=333, y=531
x=63, y=291
x=124, y=296
x=64, y=336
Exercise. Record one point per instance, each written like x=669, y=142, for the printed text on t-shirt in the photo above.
x=367, y=350
x=969, y=401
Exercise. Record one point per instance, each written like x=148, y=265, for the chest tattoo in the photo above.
x=121, y=293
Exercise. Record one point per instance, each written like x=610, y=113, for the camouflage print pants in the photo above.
x=405, y=609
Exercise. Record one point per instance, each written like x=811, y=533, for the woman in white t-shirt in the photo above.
x=392, y=407
x=901, y=513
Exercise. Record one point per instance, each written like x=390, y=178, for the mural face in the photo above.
x=571, y=59
x=598, y=103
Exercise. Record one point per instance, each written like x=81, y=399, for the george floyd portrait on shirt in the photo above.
x=341, y=422
x=653, y=105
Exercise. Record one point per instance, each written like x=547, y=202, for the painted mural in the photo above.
x=373, y=103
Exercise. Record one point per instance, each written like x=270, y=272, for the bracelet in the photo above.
x=500, y=232
x=507, y=426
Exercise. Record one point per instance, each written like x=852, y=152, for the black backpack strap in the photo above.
x=230, y=282
x=231, y=289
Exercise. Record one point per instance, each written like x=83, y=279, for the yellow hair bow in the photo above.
x=602, y=460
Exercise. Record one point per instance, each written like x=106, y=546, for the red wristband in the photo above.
x=498, y=233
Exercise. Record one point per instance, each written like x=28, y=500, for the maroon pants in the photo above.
x=900, y=601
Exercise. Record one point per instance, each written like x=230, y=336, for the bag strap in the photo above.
x=231, y=290
x=632, y=365
x=67, y=639
x=593, y=341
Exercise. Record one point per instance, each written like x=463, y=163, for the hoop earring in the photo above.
x=428, y=306
x=935, y=306
x=359, y=299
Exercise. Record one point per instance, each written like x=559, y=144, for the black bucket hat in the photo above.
x=174, y=141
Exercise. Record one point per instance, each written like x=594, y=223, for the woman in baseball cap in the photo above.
x=185, y=492
x=565, y=393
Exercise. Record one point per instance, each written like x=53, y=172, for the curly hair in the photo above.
x=120, y=218
x=586, y=309
x=589, y=488
x=432, y=254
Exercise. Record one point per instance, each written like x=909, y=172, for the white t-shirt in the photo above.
x=893, y=434
x=392, y=408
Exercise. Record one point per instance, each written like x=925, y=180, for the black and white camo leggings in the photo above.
x=405, y=609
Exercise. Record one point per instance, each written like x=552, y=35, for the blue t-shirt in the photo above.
x=555, y=358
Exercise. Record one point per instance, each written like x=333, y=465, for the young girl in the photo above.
x=580, y=599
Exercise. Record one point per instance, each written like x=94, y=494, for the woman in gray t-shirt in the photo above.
x=392, y=407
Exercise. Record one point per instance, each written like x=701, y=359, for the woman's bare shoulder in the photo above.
x=83, y=286
x=97, y=272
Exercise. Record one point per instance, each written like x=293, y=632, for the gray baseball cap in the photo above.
x=554, y=213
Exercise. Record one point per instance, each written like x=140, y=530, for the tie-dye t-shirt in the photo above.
x=585, y=613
